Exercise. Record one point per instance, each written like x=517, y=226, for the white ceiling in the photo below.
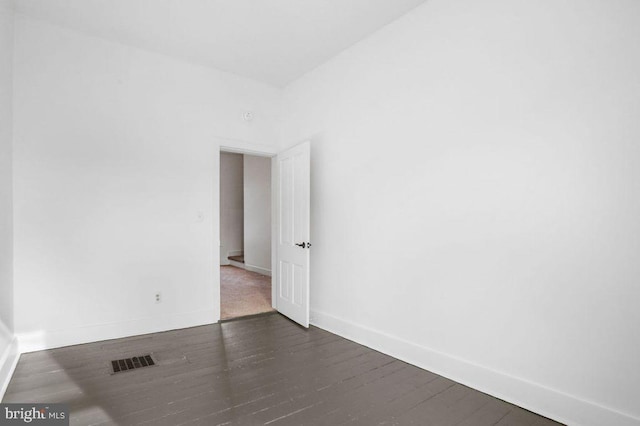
x=274, y=41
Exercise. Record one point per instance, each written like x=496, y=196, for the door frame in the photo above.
x=242, y=147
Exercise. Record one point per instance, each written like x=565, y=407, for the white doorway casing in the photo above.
x=294, y=301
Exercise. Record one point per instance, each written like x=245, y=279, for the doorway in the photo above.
x=245, y=235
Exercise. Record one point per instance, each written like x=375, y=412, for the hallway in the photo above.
x=243, y=293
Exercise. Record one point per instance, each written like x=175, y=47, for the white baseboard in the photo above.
x=259, y=270
x=540, y=399
x=8, y=362
x=251, y=268
x=224, y=259
x=49, y=339
x=236, y=264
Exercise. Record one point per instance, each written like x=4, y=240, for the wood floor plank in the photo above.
x=488, y=415
x=289, y=379
x=257, y=371
x=335, y=384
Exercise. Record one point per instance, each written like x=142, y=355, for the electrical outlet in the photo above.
x=158, y=297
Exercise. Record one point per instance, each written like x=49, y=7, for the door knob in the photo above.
x=304, y=245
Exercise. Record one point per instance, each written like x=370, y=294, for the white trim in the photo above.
x=554, y=404
x=236, y=264
x=274, y=232
x=257, y=269
x=244, y=147
x=49, y=339
x=252, y=268
x=8, y=362
x=217, y=255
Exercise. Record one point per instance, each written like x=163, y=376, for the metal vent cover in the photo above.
x=126, y=364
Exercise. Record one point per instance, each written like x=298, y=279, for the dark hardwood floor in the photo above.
x=257, y=371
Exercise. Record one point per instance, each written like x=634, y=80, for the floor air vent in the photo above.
x=127, y=364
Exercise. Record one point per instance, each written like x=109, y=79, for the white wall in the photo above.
x=116, y=153
x=6, y=167
x=257, y=213
x=475, y=195
x=231, y=206
x=8, y=347
x=476, y=198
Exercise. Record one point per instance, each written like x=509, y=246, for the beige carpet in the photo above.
x=243, y=292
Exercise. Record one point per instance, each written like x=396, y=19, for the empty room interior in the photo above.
x=363, y=212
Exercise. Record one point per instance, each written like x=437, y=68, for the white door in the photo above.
x=292, y=179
